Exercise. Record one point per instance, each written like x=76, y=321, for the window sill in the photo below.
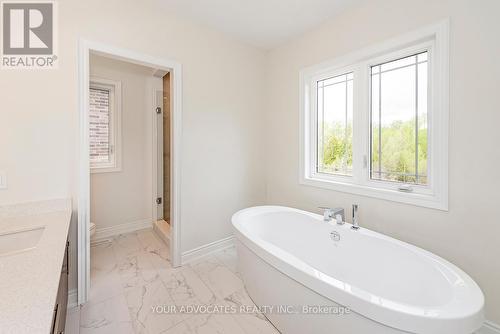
x=416, y=199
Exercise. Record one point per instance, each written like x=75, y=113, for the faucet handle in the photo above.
x=327, y=213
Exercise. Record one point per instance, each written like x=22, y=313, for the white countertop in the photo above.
x=29, y=280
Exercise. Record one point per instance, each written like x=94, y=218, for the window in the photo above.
x=399, y=120
x=104, y=125
x=335, y=124
x=375, y=123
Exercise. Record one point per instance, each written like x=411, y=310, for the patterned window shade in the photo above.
x=99, y=127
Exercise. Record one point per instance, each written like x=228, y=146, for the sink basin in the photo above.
x=19, y=241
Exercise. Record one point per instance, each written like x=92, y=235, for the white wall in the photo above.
x=222, y=169
x=467, y=235
x=126, y=196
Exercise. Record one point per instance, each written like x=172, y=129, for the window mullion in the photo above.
x=360, y=104
x=380, y=123
x=416, y=120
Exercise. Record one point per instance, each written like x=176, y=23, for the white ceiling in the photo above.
x=262, y=23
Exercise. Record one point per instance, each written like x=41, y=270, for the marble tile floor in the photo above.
x=134, y=289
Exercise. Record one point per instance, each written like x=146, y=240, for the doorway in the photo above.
x=175, y=74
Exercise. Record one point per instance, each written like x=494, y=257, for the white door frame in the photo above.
x=85, y=47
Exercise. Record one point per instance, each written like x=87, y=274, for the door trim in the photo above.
x=84, y=50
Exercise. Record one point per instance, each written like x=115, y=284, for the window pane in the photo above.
x=335, y=110
x=398, y=63
x=399, y=120
x=99, y=118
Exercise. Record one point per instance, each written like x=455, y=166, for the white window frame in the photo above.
x=314, y=119
x=435, y=40
x=115, y=129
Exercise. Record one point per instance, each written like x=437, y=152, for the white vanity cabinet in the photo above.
x=59, y=317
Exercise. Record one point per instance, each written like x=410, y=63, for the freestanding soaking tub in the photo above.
x=311, y=276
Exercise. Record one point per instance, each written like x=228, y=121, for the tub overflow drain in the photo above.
x=335, y=236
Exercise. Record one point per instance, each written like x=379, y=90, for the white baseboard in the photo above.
x=72, y=298
x=489, y=328
x=207, y=249
x=104, y=233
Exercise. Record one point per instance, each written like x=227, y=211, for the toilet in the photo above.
x=92, y=229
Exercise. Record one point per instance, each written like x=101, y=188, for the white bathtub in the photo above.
x=289, y=257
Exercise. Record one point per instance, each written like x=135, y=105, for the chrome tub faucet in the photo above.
x=330, y=213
